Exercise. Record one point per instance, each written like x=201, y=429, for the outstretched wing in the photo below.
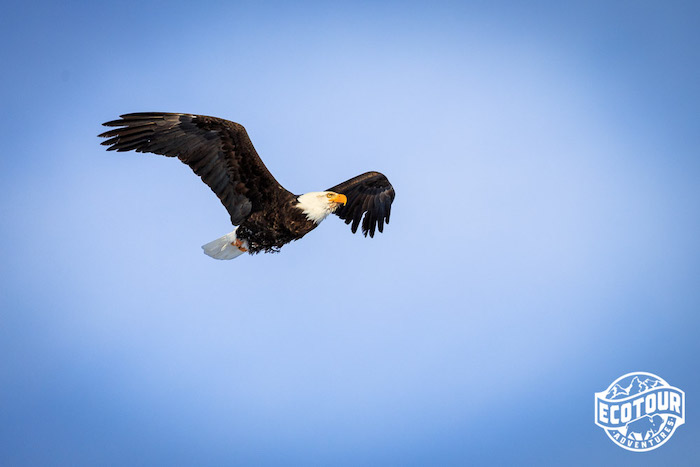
x=217, y=150
x=369, y=194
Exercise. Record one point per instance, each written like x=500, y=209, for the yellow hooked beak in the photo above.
x=338, y=198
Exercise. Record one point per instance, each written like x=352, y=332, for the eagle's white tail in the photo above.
x=226, y=247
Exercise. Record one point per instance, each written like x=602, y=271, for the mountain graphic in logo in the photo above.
x=630, y=388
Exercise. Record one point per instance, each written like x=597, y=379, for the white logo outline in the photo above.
x=654, y=417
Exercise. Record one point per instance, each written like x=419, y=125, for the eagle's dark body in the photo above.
x=269, y=231
x=221, y=153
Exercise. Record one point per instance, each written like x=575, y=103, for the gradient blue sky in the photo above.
x=544, y=238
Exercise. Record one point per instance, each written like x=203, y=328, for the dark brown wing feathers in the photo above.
x=217, y=150
x=221, y=153
x=369, y=194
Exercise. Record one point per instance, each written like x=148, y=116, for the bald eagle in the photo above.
x=266, y=215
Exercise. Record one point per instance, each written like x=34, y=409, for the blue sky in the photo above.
x=543, y=240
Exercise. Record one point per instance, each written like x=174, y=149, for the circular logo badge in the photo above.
x=640, y=411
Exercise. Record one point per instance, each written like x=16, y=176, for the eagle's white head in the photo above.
x=318, y=204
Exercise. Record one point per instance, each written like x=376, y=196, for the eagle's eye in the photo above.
x=329, y=195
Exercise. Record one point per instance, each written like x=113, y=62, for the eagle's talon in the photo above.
x=239, y=244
